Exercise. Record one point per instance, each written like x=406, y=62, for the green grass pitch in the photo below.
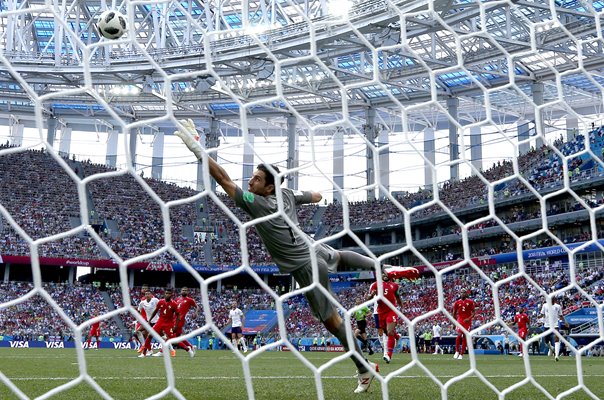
x=280, y=375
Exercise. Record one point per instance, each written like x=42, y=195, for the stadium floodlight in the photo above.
x=125, y=90
x=204, y=83
x=391, y=35
x=264, y=68
x=148, y=84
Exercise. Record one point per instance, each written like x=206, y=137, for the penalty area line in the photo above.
x=208, y=378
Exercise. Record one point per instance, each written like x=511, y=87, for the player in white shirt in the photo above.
x=146, y=307
x=376, y=320
x=236, y=319
x=552, y=317
x=436, y=335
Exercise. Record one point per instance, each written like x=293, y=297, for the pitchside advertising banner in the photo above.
x=335, y=349
x=147, y=266
x=23, y=344
x=548, y=252
x=582, y=316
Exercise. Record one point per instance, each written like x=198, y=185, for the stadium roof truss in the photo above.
x=211, y=58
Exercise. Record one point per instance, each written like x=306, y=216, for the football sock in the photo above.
x=385, y=343
x=140, y=337
x=557, y=349
x=391, y=344
x=340, y=333
x=464, y=345
x=352, y=259
x=147, y=344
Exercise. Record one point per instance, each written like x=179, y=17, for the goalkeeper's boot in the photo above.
x=365, y=379
x=386, y=358
x=191, y=352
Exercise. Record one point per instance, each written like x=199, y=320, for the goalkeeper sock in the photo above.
x=340, y=333
x=352, y=259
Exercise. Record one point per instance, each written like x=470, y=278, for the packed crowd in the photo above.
x=43, y=200
x=138, y=217
x=540, y=167
x=39, y=195
x=36, y=317
x=131, y=223
x=421, y=297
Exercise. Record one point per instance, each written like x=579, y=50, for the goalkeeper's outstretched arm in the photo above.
x=190, y=137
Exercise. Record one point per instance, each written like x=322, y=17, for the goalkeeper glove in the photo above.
x=190, y=137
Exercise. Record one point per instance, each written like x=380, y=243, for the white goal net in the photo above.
x=463, y=138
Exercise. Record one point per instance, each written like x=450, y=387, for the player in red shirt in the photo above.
x=95, y=330
x=523, y=321
x=168, y=318
x=386, y=314
x=463, y=312
x=184, y=304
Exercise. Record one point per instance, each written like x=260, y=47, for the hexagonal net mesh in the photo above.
x=407, y=94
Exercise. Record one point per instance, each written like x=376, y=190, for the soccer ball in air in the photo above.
x=111, y=24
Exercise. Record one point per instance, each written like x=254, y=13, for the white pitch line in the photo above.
x=208, y=378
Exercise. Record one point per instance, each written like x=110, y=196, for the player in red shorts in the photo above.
x=184, y=304
x=386, y=314
x=463, y=312
x=95, y=331
x=523, y=321
x=166, y=309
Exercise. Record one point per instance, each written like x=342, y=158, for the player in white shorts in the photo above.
x=146, y=307
x=553, y=318
x=236, y=319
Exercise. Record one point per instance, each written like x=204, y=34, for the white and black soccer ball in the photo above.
x=111, y=24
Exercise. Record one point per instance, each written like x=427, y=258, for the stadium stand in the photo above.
x=45, y=207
